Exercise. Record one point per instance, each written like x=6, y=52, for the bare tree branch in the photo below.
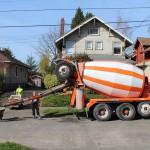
x=123, y=26
x=47, y=44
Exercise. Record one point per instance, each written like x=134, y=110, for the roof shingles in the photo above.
x=4, y=57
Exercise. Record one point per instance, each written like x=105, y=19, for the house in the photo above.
x=15, y=72
x=37, y=80
x=142, y=48
x=93, y=37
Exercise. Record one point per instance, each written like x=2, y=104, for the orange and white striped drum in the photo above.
x=113, y=78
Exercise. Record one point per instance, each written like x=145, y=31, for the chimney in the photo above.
x=62, y=26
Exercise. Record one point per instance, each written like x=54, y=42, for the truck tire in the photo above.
x=126, y=111
x=102, y=112
x=63, y=70
x=143, y=109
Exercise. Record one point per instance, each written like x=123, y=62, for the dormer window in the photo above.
x=93, y=31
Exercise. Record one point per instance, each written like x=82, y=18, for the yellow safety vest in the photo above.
x=19, y=91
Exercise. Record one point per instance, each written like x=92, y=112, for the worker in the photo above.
x=35, y=106
x=19, y=91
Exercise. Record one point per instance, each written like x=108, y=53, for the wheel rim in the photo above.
x=103, y=113
x=126, y=112
x=63, y=70
x=145, y=108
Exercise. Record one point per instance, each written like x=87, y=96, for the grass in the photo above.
x=55, y=100
x=12, y=146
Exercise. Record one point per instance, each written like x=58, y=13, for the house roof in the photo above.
x=102, y=21
x=146, y=50
x=4, y=57
x=144, y=41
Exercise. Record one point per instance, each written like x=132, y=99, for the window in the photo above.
x=25, y=71
x=16, y=71
x=93, y=31
x=99, y=45
x=89, y=45
x=70, y=47
x=117, y=48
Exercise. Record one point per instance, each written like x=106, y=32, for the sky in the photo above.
x=23, y=41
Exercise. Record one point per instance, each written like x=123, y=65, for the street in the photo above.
x=70, y=133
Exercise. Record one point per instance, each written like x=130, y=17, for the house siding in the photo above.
x=105, y=36
x=10, y=75
x=139, y=57
x=10, y=81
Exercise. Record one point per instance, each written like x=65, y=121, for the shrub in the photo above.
x=50, y=80
x=80, y=57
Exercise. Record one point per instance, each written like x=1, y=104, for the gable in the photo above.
x=6, y=58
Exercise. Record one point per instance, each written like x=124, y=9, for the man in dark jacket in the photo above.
x=35, y=106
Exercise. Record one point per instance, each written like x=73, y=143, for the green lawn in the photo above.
x=12, y=146
x=55, y=100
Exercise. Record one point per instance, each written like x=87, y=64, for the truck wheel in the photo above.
x=125, y=111
x=102, y=112
x=143, y=109
x=63, y=70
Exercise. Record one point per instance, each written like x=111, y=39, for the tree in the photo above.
x=7, y=51
x=32, y=64
x=123, y=26
x=88, y=15
x=44, y=64
x=47, y=44
x=78, y=18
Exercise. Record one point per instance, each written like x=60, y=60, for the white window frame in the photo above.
x=101, y=48
x=70, y=47
x=120, y=48
x=94, y=34
x=86, y=44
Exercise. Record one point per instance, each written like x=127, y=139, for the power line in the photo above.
x=20, y=42
x=140, y=24
x=29, y=26
x=49, y=25
x=70, y=9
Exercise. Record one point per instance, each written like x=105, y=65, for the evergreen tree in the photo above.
x=32, y=64
x=79, y=18
x=7, y=51
x=88, y=15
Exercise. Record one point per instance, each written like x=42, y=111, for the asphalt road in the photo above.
x=70, y=133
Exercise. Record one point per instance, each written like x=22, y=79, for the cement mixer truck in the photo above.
x=124, y=85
